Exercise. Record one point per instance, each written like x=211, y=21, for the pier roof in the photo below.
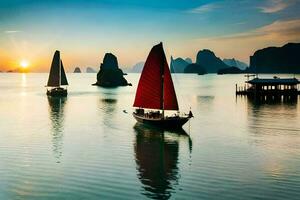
x=274, y=81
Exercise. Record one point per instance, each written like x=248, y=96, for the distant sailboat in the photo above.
x=57, y=77
x=156, y=93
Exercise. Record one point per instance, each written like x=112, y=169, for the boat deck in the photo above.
x=163, y=122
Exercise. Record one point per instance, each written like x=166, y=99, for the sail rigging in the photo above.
x=57, y=76
x=155, y=89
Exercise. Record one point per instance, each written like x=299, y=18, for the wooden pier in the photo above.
x=270, y=89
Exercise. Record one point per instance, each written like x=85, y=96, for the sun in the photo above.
x=24, y=64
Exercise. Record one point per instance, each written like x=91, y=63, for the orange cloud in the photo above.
x=274, y=6
x=242, y=45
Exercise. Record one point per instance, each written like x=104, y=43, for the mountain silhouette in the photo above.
x=283, y=59
x=235, y=63
x=137, y=68
x=90, y=70
x=178, y=65
x=208, y=60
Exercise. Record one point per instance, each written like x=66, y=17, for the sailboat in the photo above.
x=57, y=77
x=156, y=94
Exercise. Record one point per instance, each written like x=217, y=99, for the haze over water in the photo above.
x=88, y=145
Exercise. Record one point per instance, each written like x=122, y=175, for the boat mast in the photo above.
x=59, y=72
x=162, y=85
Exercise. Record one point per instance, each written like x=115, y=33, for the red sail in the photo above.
x=170, y=100
x=151, y=90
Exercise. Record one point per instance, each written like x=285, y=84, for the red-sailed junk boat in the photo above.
x=155, y=93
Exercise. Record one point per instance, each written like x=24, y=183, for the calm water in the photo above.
x=88, y=145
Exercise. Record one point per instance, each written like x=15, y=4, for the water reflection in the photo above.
x=56, y=114
x=273, y=101
x=206, y=102
x=23, y=84
x=24, y=80
x=108, y=110
x=205, y=99
x=108, y=102
x=275, y=128
x=261, y=114
x=157, y=158
x=273, y=125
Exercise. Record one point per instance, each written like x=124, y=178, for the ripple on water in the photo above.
x=86, y=147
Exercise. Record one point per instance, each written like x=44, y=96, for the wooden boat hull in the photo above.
x=57, y=92
x=166, y=123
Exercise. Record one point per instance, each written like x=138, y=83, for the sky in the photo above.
x=84, y=30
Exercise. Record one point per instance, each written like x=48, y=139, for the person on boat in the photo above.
x=190, y=114
x=140, y=111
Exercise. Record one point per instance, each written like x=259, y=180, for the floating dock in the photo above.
x=270, y=88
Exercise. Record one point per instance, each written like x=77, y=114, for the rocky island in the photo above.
x=209, y=61
x=178, y=65
x=77, y=70
x=110, y=75
x=283, y=59
x=90, y=70
x=271, y=60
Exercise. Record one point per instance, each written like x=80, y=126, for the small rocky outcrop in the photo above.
x=77, y=70
x=195, y=69
x=90, y=70
x=110, y=75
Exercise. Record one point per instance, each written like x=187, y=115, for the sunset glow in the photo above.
x=185, y=27
x=24, y=64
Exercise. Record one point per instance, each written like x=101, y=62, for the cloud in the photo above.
x=12, y=31
x=242, y=45
x=240, y=23
x=204, y=8
x=273, y=6
x=279, y=28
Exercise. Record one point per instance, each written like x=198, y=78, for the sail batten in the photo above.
x=57, y=75
x=155, y=89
